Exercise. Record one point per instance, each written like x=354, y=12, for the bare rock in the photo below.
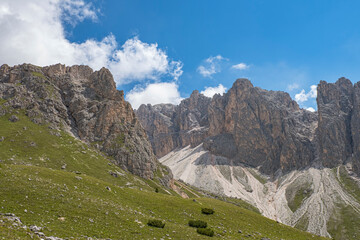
x=84, y=103
x=13, y=118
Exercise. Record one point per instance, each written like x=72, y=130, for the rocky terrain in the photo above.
x=260, y=146
x=84, y=103
x=247, y=125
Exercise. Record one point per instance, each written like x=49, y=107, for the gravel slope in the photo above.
x=216, y=174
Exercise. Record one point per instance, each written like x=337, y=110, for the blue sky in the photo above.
x=281, y=45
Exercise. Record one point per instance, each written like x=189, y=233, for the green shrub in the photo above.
x=205, y=231
x=156, y=190
x=197, y=224
x=207, y=211
x=156, y=223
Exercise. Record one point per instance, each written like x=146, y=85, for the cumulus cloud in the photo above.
x=35, y=34
x=137, y=60
x=210, y=66
x=154, y=93
x=303, y=96
x=240, y=66
x=211, y=91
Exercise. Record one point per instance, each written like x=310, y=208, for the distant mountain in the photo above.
x=292, y=164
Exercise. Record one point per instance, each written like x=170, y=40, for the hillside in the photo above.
x=69, y=189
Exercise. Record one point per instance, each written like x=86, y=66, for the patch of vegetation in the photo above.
x=38, y=74
x=205, y=231
x=257, y=176
x=197, y=224
x=207, y=211
x=225, y=171
x=156, y=223
x=349, y=184
x=303, y=223
x=120, y=140
x=298, y=191
x=344, y=223
x=300, y=195
x=2, y=101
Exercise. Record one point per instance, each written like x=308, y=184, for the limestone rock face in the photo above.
x=160, y=129
x=355, y=128
x=267, y=127
x=246, y=125
x=169, y=126
x=335, y=103
x=339, y=123
x=85, y=103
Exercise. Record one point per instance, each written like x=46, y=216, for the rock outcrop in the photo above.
x=260, y=128
x=268, y=128
x=169, y=126
x=335, y=103
x=339, y=123
x=82, y=102
x=247, y=125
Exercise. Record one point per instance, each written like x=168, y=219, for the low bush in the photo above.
x=156, y=223
x=207, y=211
x=197, y=224
x=205, y=231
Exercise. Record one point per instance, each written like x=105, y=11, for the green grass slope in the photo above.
x=91, y=197
x=344, y=222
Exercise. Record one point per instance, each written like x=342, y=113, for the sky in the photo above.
x=160, y=51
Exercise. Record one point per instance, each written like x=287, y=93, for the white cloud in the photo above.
x=210, y=66
x=35, y=34
x=154, y=93
x=137, y=60
x=77, y=10
x=310, y=109
x=303, y=96
x=293, y=86
x=241, y=66
x=211, y=91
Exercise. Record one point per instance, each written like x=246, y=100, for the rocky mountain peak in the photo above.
x=247, y=125
x=84, y=103
x=242, y=83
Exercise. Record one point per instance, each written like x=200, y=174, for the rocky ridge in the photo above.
x=84, y=103
x=247, y=125
x=261, y=128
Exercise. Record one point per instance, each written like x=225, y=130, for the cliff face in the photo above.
x=170, y=127
x=262, y=128
x=266, y=128
x=335, y=103
x=86, y=103
x=355, y=128
x=339, y=123
x=246, y=125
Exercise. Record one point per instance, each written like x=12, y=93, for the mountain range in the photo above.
x=77, y=162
